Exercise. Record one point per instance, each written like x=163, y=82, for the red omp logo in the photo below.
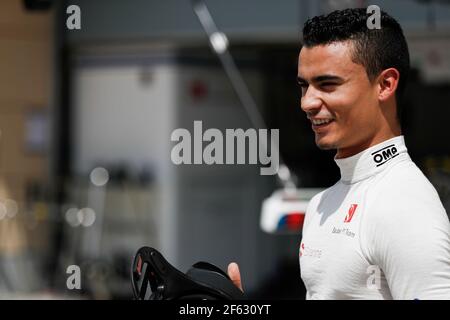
x=302, y=248
x=350, y=213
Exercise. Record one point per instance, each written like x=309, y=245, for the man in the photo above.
x=381, y=231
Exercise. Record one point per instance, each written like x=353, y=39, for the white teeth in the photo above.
x=318, y=122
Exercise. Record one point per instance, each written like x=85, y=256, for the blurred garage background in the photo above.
x=86, y=117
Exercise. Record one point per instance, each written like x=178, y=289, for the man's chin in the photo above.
x=325, y=144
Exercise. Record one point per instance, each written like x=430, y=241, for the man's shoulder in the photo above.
x=316, y=199
x=405, y=192
x=320, y=198
x=403, y=180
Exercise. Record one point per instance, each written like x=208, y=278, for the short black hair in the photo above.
x=375, y=49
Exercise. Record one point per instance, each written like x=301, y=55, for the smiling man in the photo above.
x=381, y=231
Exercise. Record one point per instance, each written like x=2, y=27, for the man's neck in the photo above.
x=372, y=160
x=355, y=149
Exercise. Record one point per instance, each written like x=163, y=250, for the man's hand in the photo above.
x=235, y=275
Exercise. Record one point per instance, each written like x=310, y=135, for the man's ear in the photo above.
x=387, y=83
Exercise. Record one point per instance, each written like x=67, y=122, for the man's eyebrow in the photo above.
x=321, y=78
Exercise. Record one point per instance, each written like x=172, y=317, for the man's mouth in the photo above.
x=320, y=123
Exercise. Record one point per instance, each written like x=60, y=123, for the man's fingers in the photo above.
x=235, y=275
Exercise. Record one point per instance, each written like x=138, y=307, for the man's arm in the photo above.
x=411, y=243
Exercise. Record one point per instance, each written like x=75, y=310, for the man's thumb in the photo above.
x=235, y=275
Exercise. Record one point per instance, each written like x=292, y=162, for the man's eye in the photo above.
x=328, y=86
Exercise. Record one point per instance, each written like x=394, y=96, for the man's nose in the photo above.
x=310, y=102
